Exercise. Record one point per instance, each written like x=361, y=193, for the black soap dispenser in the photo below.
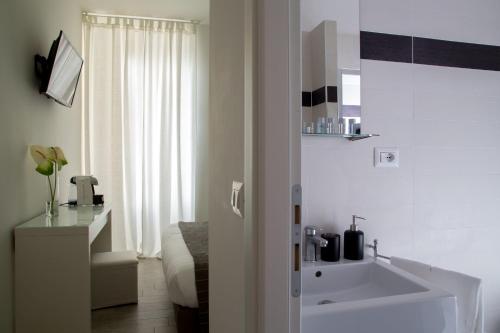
x=354, y=241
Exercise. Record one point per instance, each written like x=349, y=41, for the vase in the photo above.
x=51, y=208
x=52, y=204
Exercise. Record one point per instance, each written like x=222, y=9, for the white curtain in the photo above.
x=139, y=132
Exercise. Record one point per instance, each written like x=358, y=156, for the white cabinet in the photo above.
x=52, y=269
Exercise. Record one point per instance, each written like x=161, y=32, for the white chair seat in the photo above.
x=114, y=279
x=109, y=259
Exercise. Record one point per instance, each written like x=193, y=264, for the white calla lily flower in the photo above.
x=49, y=161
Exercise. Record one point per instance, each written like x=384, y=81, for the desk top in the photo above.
x=80, y=216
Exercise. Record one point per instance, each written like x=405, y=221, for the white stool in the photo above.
x=114, y=278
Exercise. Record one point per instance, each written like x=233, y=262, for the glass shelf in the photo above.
x=350, y=137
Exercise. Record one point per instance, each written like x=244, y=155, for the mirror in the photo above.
x=331, y=76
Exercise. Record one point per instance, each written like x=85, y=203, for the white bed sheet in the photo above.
x=178, y=267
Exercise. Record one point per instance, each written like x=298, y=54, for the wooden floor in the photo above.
x=153, y=314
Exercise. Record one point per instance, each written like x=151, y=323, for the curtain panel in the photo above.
x=139, y=124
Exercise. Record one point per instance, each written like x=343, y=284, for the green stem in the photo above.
x=50, y=187
x=55, y=184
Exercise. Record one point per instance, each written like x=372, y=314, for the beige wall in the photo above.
x=231, y=238
x=278, y=159
x=27, y=117
x=202, y=176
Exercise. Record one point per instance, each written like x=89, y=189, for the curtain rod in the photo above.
x=141, y=17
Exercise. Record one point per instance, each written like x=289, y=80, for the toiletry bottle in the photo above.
x=354, y=241
x=332, y=250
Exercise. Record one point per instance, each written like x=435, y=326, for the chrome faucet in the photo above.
x=374, y=246
x=312, y=241
x=376, y=255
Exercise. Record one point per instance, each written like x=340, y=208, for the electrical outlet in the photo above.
x=386, y=157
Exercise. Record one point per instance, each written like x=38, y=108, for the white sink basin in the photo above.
x=372, y=296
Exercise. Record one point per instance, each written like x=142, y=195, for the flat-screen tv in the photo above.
x=60, y=72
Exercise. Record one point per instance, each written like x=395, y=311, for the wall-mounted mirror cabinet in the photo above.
x=331, y=69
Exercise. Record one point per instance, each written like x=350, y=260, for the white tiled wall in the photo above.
x=442, y=206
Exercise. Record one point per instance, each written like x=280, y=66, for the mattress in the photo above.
x=178, y=267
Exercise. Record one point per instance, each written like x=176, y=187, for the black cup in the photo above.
x=332, y=251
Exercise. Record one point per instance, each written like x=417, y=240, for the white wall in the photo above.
x=441, y=205
x=29, y=27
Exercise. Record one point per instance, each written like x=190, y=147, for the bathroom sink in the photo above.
x=372, y=296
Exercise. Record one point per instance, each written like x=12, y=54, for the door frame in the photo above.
x=278, y=160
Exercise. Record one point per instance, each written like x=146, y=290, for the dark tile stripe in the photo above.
x=387, y=47
x=331, y=93
x=427, y=51
x=455, y=54
x=306, y=98
x=319, y=96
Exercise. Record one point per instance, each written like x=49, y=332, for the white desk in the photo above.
x=52, y=269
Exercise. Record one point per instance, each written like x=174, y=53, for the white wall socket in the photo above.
x=386, y=157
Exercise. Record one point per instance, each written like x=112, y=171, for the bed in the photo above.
x=185, y=265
